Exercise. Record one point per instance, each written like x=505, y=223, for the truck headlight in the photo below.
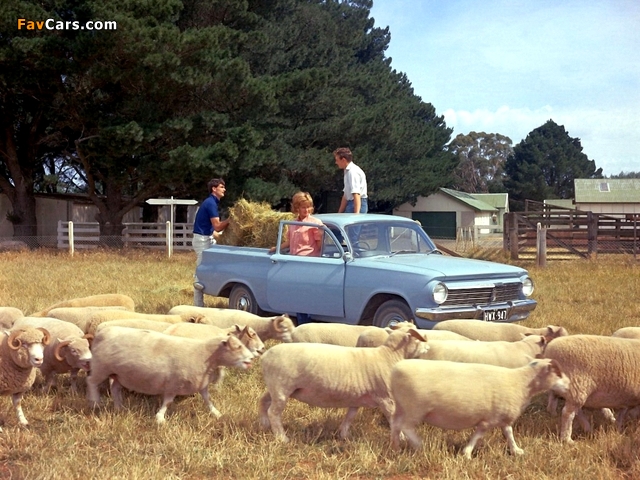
x=527, y=287
x=440, y=293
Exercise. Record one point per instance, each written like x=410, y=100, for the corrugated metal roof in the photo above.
x=469, y=200
x=497, y=200
x=607, y=190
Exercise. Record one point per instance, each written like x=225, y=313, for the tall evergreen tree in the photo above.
x=544, y=165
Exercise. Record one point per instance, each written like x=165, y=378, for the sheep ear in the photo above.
x=414, y=333
x=525, y=335
x=238, y=328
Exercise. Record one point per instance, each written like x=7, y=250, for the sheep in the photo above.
x=499, y=353
x=375, y=336
x=21, y=352
x=491, y=331
x=79, y=316
x=627, y=332
x=8, y=315
x=103, y=300
x=139, y=323
x=332, y=376
x=278, y=328
x=329, y=333
x=604, y=373
x=68, y=350
x=153, y=363
x=96, y=318
x=480, y=396
x=246, y=335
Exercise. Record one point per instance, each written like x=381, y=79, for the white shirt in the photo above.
x=355, y=181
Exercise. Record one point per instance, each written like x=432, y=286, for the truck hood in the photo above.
x=445, y=266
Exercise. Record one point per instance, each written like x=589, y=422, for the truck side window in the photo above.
x=329, y=248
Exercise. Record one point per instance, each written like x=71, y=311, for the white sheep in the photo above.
x=246, y=335
x=139, y=323
x=332, y=376
x=21, y=352
x=330, y=333
x=627, y=332
x=604, y=373
x=491, y=331
x=499, y=353
x=457, y=396
x=67, y=352
x=8, y=315
x=278, y=328
x=153, y=363
x=79, y=316
x=376, y=336
x=102, y=300
x=98, y=317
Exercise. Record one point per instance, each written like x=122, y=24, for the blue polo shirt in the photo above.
x=207, y=211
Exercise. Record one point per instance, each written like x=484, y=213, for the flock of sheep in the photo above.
x=463, y=374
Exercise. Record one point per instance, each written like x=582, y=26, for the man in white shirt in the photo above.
x=354, y=199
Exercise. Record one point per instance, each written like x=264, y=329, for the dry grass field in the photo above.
x=66, y=440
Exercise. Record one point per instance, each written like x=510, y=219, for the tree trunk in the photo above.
x=23, y=217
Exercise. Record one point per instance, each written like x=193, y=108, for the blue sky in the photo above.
x=508, y=66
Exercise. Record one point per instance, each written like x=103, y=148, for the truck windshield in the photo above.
x=368, y=239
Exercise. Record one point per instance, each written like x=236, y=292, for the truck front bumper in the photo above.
x=514, y=310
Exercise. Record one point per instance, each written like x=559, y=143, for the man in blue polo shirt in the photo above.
x=207, y=222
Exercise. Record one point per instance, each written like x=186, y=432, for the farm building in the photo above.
x=608, y=196
x=54, y=208
x=443, y=213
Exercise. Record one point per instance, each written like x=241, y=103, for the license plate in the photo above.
x=495, y=315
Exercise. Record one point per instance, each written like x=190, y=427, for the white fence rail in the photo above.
x=135, y=235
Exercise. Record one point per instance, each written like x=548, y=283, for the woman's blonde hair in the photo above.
x=300, y=199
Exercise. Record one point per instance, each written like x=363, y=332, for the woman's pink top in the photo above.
x=305, y=240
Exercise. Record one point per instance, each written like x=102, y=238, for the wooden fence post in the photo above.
x=541, y=246
x=513, y=236
x=71, y=240
x=592, y=234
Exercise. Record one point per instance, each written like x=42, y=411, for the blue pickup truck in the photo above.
x=373, y=270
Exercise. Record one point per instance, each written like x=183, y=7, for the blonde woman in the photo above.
x=302, y=239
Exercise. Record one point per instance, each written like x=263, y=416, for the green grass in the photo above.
x=67, y=440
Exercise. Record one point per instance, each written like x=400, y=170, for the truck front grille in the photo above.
x=483, y=296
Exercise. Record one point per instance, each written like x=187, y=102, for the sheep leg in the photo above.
x=16, y=398
x=481, y=429
x=167, y=398
x=93, y=388
x=608, y=414
x=116, y=393
x=403, y=425
x=274, y=413
x=552, y=403
x=263, y=407
x=566, y=427
x=584, y=421
x=50, y=379
x=205, y=396
x=511, y=441
x=346, y=422
x=74, y=380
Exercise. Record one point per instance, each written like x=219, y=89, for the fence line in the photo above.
x=85, y=235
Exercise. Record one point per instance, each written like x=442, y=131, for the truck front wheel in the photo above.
x=392, y=312
x=241, y=298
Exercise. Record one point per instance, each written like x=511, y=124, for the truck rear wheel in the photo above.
x=241, y=298
x=392, y=312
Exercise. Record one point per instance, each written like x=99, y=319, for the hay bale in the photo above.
x=253, y=224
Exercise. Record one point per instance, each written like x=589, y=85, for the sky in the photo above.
x=508, y=66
